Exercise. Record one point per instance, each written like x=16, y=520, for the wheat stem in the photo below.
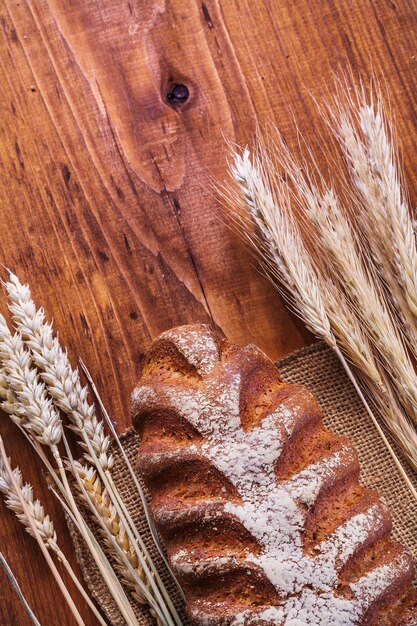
x=81, y=589
x=381, y=433
x=38, y=416
x=16, y=587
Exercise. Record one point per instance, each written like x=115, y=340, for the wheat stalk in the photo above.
x=36, y=522
x=133, y=475
x=31, y=514
x=64, y=386
x=13, y=581
x=20, y=499
x=105, y=510
x=313, y=295
x=355, y=344
x=336, y=237
x=365, y=315
x=29, y=406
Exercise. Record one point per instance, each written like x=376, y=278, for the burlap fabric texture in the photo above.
x=319, y=369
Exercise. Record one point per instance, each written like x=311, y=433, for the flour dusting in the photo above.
x=273, y=512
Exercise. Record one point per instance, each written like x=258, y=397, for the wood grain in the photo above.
x=107, y=206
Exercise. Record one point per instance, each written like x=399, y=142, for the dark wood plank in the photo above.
x=105, y=183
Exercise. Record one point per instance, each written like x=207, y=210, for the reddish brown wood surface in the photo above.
x=105, y=197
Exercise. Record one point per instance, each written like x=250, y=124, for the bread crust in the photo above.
x=258, y=505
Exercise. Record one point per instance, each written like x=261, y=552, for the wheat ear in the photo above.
x=10, y=405
x=25, y=395
x=29, y=406
x=63, y=382
x=289, y=261
x=43, y=524
x=64, y=386
x=367, y=140
x=312, y=295
x=116, y=537
x=336, y=238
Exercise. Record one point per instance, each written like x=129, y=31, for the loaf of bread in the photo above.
x=258, y=505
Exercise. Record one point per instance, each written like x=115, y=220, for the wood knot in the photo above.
x=178, y=94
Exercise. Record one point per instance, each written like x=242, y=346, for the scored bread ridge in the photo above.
x=258, y=505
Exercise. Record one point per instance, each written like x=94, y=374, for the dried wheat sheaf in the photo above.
x=42, y=393
x=342, y=253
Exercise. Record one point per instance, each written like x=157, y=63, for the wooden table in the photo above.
x=114, y=116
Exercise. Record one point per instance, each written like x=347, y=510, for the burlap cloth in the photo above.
x=319, y=369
